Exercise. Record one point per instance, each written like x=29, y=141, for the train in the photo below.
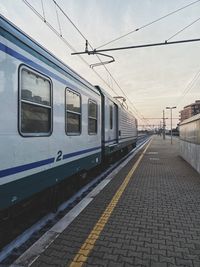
x=54, y=124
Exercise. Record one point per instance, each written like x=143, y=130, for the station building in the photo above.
x=190, y=110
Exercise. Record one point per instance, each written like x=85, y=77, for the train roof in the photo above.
x=116, y=101
x=104, y=92
x=11, y=32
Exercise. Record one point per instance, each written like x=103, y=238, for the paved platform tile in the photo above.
x=156, y=221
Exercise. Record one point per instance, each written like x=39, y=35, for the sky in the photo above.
x=151, y=78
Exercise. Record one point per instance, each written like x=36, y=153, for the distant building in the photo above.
x=190, y=110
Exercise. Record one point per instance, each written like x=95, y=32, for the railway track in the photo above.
x=21, y=243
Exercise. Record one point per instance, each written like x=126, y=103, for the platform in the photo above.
x=148, y=215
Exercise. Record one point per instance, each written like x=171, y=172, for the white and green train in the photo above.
x=53, y=123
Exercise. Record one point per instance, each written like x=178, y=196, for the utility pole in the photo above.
x=160, y=130
x=164, y=125
x=171, y=119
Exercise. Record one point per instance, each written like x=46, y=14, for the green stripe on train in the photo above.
x=16, y=191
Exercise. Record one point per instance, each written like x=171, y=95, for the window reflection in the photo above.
x=92, y=117
x=34, y=88
x=73, y=112
x=92, y=109
x=35, y=119
x=35, y=103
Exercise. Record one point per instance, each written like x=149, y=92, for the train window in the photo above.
x=92, y=117
x=36, y=104
x=111, y=117
x=73, y=112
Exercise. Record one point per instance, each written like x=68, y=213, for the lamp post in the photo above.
x=164, y=125
x=171, y=119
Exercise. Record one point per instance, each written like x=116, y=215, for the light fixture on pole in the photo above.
x=171, y=119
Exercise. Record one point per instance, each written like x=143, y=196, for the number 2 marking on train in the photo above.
x=59, y=157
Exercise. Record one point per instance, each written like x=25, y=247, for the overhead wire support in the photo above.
x=102, y=62
x=100, y=54
x=137, y=46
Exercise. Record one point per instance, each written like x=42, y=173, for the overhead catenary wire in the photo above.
x=65, y=41
x=189, y=87
x=64, y=13
x=43, y=10
x=133, y=108
x=84, y=37
x=71, y=47
x=62, y=38
x=186, y=27
x=148, y=24
x=135, y=111
x=58, y=20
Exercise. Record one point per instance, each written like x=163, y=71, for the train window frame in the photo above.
x=20, y=101
x=93, y=118
x=73, y=112
x=111, y=116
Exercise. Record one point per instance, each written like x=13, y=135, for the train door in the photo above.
x=114, y=121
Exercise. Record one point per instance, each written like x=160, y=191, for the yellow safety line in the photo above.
x=81, y=257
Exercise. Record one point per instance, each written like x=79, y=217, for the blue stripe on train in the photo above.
x=25, y=167
x=66, y=156
x=40, y=163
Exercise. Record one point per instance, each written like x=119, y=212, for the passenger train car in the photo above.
x=53, y=123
